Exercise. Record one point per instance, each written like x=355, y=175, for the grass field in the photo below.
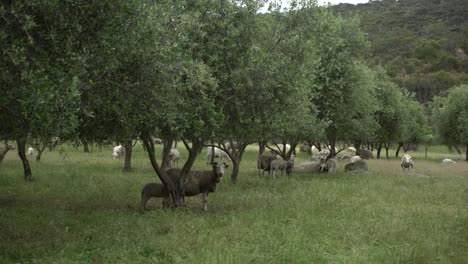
x=82, y=209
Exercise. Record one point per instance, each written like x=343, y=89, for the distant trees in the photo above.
x=450, y=116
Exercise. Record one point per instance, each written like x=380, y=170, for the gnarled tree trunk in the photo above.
x=128, y=156
x=22, y=154
x=379, y=148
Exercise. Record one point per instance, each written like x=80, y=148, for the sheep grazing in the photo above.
x=264, y=162
x=154, y=190
x=305, y=149
x=359, y=165
x=118, y=152
x=351, y=150
x=448, y=161
x=355, y=158
x=174, y=156
x=218, y=153
x=200, y=181
x=406, y=162
x=365, y=154
x=30, y=152
x=4, y=150
x=282, y=165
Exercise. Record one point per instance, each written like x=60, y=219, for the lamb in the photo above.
x=282, y=165
x=118, y=152
x=264, y=162
x=218, y=153
x=4, y=150
x=200, y=181
x=365, y=154
x=448, y=161
x=406, y=162
x=30, y=152
x=174, y=156
x=355, y=158
x=154, y=190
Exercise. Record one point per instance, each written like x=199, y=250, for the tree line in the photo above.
x=204, y=72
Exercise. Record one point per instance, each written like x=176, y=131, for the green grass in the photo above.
x=82, y=209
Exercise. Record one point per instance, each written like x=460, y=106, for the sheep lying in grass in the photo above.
x=365, y=153
x=359, y=165
x=305, y=149
x=448, y=161
x=200, y=181
x=154, y=190
x=313, y=167
x=351, y=149
x=282, y=165
x=355, y=158
x=406, y=162
x=345, y=157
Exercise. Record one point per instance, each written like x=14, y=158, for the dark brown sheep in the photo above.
x=200, y=181
x=154, y=190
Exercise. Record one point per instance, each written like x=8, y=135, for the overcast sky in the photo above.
x=285, y=3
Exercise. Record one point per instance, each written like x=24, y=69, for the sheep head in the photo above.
x=218, y=169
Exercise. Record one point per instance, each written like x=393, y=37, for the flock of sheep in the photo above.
x=205, y=181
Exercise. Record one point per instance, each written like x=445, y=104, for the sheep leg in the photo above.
x=205, y=201
x=144, y=200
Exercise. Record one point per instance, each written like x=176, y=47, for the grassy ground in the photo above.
x=82, y=209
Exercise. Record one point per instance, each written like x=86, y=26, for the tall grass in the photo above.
x=83, y=209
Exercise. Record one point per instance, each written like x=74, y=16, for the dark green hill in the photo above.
x=423, y=44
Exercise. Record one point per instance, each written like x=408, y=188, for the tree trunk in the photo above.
x=387, y=146
x=379, y=148
x=236, y=160
x=22, y=154
x=85, y=146
x=40, y=150
x=425, y=151
x=167, y=145
x=466, y=153
x=261, y=147
x=128, y=156
x=398, y=150
x=168, y=184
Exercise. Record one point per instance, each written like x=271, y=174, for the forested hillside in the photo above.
x=423, y=44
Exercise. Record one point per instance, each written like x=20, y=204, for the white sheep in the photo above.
x=174, y=156
x=30, y=152
x=448, y=161
x=354, y=159
x=351, y=149
x=118, y=152
x=407, y=162
x=218, y=153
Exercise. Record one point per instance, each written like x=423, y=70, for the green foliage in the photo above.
x=411, y=38
x=450, y=116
